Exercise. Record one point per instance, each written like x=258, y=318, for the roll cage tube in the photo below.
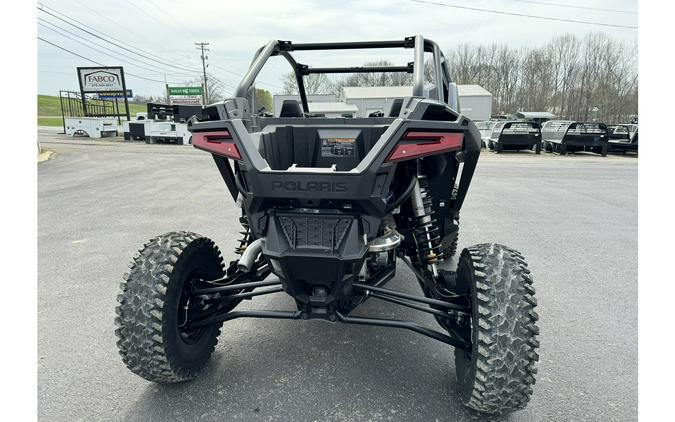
x=445, y=90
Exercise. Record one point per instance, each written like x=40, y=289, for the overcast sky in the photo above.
x=235, y=29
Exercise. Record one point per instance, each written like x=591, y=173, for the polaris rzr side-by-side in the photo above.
x=330, y=207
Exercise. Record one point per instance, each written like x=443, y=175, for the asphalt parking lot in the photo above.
x=574, y=218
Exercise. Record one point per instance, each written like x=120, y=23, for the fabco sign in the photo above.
x=101, y=79
x=106, y=80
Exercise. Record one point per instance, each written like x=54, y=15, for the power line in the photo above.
x=94, y=61
x=109, y=19
x=240, y=75
x=175, y=21
x=108, y=41
x=42, y=7
x=572, y=6
x=133, y=63
x=522, y=14
x=71, y=52
x=157, y=58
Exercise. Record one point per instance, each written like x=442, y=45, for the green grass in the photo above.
x=49, y=121
x=51, y=106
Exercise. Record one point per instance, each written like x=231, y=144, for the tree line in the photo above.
x=580, y=78
x=589, y=78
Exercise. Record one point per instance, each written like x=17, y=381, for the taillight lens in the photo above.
x=220, y=143
x=416, y=144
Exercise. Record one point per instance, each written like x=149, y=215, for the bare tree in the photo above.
x=568, y=76
x=215, y=89
x=316, y=83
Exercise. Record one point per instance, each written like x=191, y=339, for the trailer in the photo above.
x=93, y=127
x=86, y=115
x=515, y=135
x=485, y=127
x=563, y=136
x=623, y=137
x=162, y=123
x=166, y=132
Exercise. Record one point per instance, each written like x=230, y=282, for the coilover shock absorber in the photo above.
x=426, y=233
x=246, y=233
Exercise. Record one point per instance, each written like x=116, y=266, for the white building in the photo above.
x=370, y=99
x=474, y=101
x=333, y=109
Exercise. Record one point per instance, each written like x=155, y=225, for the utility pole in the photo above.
x=203, y=47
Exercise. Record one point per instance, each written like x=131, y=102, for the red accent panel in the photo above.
x=425, y=143
x=216, y=142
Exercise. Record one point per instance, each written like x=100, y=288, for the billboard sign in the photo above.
x=101, y=79
x=184, y=90
x=111, y=95
x=186, y=100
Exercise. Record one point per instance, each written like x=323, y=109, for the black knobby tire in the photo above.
x=152, y=306
x=497, y=375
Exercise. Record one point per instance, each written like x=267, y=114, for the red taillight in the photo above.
x=420, y=144
x=220, y=143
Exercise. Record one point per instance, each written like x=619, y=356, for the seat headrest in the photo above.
x=395, y=109
x=291, y=108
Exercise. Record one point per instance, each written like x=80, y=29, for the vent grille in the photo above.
x=314, y=232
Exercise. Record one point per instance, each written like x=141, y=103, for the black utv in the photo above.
x=329, y=228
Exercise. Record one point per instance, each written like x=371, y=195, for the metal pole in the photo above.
x=117, y=110
x=418, y=70
x=202, y=46
x=63, y=116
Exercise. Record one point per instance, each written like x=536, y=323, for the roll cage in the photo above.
x=445, y=91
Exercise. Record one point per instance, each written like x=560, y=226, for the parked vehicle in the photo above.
x=162, y=123
x=93, y=127
x=329, y=206
x=485, y=127
x=515, y=135
x=563, y=136
x=623, y=138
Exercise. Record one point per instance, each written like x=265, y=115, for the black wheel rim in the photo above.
x=190, y=308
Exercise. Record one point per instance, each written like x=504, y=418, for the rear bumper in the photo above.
x=316, y=256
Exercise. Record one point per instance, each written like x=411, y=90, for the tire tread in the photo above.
x=140, y=310
x=506, y=354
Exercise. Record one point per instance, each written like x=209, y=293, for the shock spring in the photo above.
x=426, y=232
